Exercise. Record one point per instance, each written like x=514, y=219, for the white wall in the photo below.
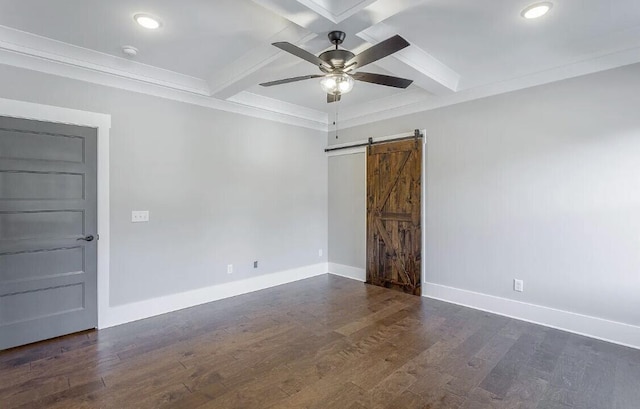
x=541, y=184
x=221, y=188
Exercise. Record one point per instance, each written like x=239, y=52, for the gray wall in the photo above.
x=221, y=188
x=541, y=184
x=347, y=207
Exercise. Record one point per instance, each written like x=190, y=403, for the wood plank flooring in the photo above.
x=325, y=342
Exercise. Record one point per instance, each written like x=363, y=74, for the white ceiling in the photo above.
x=215, y=53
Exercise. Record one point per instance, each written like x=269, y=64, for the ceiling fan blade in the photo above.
x=288, y=80
x=379, y=51
x=333, y=98
x=300, y=53
x=382, y=79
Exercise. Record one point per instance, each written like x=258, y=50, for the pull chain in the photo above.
x=335, y=122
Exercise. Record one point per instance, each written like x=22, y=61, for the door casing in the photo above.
x=102, y=122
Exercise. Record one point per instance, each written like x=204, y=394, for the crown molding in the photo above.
x=379, y=108
x=403, y=104
x=52, y=50
x=102, y=78
x=32, y=52
x=319, y=118
x=36, y=53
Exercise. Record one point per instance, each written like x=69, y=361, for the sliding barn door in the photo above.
x=394, y=237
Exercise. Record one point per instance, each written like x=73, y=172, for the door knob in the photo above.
x=88, y=238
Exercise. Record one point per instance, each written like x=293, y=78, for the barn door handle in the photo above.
x=88, y=238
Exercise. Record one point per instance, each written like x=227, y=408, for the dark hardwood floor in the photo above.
x=325, y=342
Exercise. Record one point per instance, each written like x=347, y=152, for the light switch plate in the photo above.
x=139, y=216
x=518, y=285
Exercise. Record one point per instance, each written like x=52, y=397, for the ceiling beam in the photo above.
x=376, y=13
x=297, y=13
x=365, y=19
x=316, y=17
x=239, y=74
x=413, y=62
x=348, y=9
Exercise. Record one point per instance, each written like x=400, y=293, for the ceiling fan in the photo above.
x=338, y=65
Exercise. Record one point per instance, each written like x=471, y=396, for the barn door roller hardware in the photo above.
x=370, y=141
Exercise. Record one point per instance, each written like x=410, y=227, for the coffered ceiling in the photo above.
x=215, y=53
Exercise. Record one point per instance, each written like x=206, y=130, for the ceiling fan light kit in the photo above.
x=337, y=84
x=339, y=65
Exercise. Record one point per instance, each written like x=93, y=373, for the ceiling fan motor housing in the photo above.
x=336, y=58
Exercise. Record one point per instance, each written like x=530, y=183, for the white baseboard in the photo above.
x=599, y=328
x=148, y=308
x=353, y=273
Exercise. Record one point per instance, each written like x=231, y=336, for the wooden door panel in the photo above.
x=394, y=236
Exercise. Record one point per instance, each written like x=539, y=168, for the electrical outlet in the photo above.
x=319, y=252
x=518, y=285
x=139, y=216
x=229, y=268
x=255, y=264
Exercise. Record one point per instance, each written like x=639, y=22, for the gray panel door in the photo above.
x=48, y=208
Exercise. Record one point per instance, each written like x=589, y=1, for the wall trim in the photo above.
x=27, y=51
x=45, y=48
x=342, y=270
x=33, y=52
x=39, y=112
x=593, y=327
x=138, y=310
x=281, y=107
x=37, y=53
x=588, y=326
x=393, y=107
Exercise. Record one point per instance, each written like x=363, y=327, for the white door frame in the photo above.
x=102, y=122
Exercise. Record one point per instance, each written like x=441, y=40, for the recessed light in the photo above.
x=537, y=10
x=147, y=21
